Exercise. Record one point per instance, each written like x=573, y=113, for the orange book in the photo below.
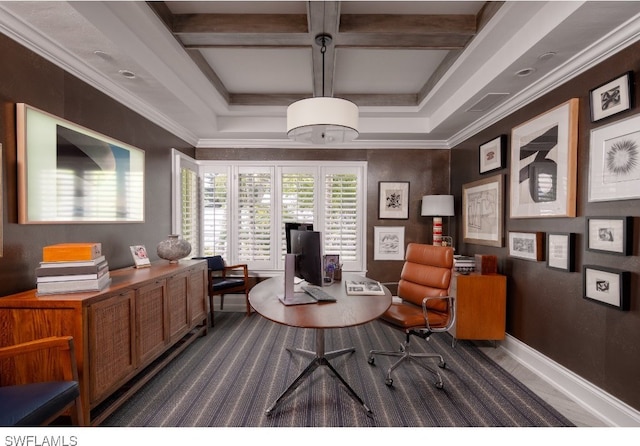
x=69, y=252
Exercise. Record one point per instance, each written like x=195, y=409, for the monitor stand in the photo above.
x=290, y=297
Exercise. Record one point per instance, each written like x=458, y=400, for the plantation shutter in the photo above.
x=341, y=216
x=190, y=206
x=298, y=204
x=215, y=232
x=254, y=215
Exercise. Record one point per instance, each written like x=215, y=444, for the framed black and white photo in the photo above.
x=388, y=243
x=482, y=211
x=526, y=245
x=493, y=154
x=393, y=200
x=560, y=251
x=544, y=163
x=614, y=161
x=611, y=97
x=612, y=235
x=607, y=286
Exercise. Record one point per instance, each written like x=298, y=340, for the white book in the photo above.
x=72, y=277
x=74, y=286
x=364, y=287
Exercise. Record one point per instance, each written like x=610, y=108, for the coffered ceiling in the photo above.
x=425, y=74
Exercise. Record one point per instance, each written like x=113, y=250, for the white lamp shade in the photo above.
x=322, y=120
x=437, y=205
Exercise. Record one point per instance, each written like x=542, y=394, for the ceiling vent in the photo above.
x=487, y=102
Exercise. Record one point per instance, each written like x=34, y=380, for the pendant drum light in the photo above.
x=322, y=120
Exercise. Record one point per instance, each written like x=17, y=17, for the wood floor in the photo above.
x=554, y=397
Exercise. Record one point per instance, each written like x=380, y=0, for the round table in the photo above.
x=346, y=311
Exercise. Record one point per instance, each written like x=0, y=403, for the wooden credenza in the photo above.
x=140, y=322
x=481, y=306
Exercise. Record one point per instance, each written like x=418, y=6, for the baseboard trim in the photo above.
x=606, y=407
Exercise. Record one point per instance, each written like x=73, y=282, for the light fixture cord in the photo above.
x=323, y=50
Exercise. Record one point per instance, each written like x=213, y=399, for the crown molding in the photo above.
x=618, y=39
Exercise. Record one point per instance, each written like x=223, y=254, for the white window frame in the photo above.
x=318, y=168
x=179, y=161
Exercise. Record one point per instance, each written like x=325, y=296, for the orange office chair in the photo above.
x=426, y=306
x=37, y=401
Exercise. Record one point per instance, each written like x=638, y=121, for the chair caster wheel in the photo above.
x=388, y=382
x=371, y=360
x=439, y=385
x=442, y=364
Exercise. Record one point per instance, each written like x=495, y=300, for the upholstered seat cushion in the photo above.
x=407, y=315
x=227, y=282
x=33, y=404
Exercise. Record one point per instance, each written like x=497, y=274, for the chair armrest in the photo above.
x=63, y=344
x=243, y=267
x=451, y=314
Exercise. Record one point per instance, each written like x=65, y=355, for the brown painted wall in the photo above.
x=426, y=170
x=26, y=77
x=546, y=309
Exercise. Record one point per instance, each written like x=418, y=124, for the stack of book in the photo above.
x=72, y=268
x=464, y=264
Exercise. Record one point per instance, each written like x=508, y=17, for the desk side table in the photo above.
x=481, y=303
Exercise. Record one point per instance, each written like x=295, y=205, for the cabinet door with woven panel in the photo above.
x=198, y=302
x=177, y=292
x=152, y=321
x=111, y=344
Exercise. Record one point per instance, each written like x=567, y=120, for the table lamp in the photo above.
x=437, y=206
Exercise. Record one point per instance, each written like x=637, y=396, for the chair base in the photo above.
x=404, y=355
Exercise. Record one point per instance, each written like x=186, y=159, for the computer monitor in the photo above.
x=307, y=246
x=291, y=226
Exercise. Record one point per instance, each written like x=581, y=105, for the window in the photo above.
x=245, y=206
x=186, y=222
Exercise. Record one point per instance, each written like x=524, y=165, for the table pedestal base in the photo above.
x=320, y=358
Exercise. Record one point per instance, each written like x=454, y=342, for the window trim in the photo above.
x=319, y=168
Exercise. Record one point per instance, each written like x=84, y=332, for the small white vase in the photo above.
x=173, y=248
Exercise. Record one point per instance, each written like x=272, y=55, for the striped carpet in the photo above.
x=232, y=375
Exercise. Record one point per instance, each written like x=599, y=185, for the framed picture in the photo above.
x=393, y=200
x=526, y=245
x=606, y=286
x=140, y=257
x=612, y=97
x=614, y=161
x=560, y=251
x=69, y=174
x=612, y=235
x=493, y=154
x=543, y=164
x=330, y=263
x=482, y=211
x=388, y=243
